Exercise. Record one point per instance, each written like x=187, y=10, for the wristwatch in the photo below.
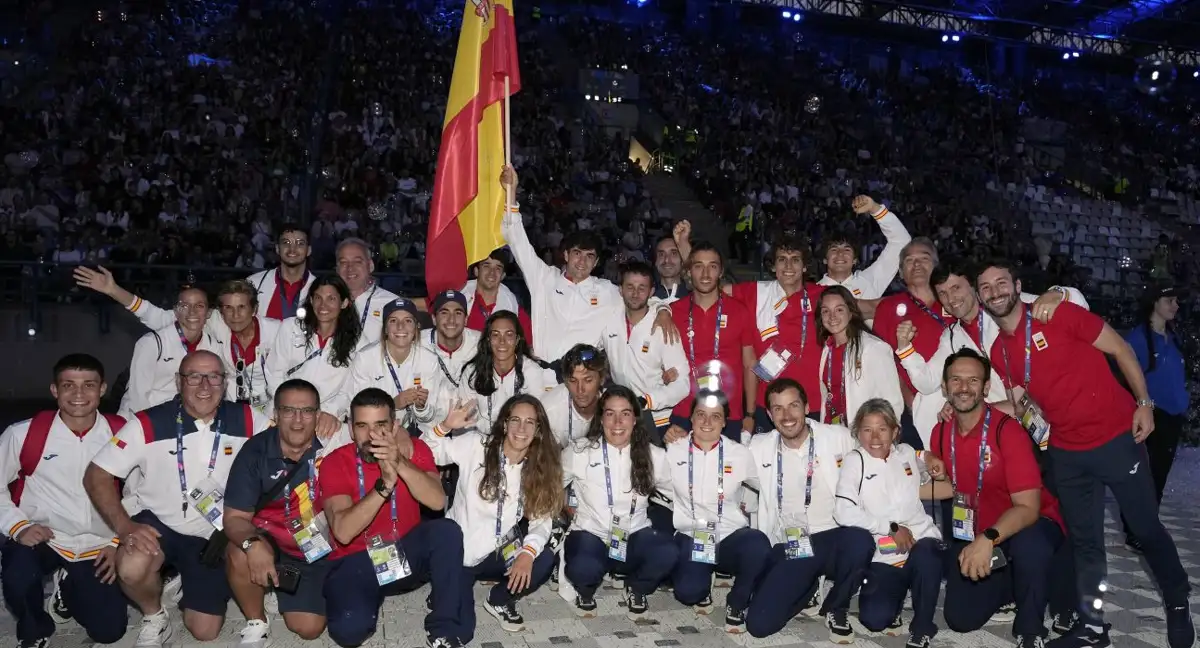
x=249, y=541
x=1145, y=402
x=895, y=528
x=383, y=489
x=991, y=534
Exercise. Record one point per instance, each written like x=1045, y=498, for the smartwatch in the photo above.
x=249, y=541
x=382, y=488
x=991, y=534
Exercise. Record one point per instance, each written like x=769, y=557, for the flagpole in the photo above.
x=508, y=193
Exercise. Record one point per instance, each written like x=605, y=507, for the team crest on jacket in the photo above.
x=1039, y=341
x=645, y=347
x=907, y=469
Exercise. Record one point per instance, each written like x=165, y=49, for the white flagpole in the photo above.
x=509, y=197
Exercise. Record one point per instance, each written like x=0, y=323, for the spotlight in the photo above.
x=32, y=331
x=787, y=15
x=1066, y=56
x=945, y=38
x=955, y=38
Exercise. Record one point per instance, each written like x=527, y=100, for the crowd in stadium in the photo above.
x=309, y=433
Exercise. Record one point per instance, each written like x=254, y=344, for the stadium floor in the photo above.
x=1134, y=608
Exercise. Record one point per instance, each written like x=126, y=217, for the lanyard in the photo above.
x=212, y=457
x=805, y=310
x=312, y=491
x=441, y=362
x=387, y=359
x=503, y=495
x=720, y=478
x=928, y=311
x=188, y=347
x=1028, y=350
x=812, y=453
x=362, y=320
x=829, y=378
x=983, y=448
x=316, y=352
x=287, y=307
x=608, y=485
x=240, y=353
x=571, y=433
x=515, y=392
x=692, y=332
x=482, y=309
x=362, y=493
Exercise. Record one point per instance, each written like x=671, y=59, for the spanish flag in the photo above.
x=468, y=201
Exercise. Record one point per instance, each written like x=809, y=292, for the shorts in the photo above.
x=310, y=596
x=205, y=589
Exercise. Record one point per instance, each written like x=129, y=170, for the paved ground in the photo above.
x=1134, y=608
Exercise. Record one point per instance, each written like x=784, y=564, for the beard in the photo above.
x=364, y=453
x=962, y=407
x=1010, y=302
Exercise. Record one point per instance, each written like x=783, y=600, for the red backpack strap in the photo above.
x=35, y=442
x=115, y=422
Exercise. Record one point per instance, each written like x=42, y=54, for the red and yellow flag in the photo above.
x=468, y=201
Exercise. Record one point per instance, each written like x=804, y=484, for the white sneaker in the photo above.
x=256, y=634
x=54, y=603
x=156, y=630
x=172, y=592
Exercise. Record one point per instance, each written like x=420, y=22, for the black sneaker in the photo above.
x=36, y=643
x=1061, y=624
x=840, y=630
x=705, y=606
x=585, y=607
x=1030, y=641
x=507, y=615
x=1134, y=545
x=735, y=620
x=1181, y=632
x=917, y=641
x=1082, y=636
x=444, y=642
x=896, y=627
x=55, y=605
x=638, y=604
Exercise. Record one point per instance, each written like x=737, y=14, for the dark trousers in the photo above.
x=650, y=556
x=883, y=590
x=434, y=550
x=101, y=609
x=909, y=433
x=493, y=568
x=662, y=519
x=841, y=554
x=1161, y=447
x=1122, y=466
x=742, y=553
x=1025, y=580
x=732, y=431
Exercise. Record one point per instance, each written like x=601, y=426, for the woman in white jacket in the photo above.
x=879, y=489
x=613, y=471
x=509, y=490
x=503, y=366
x=856, y=366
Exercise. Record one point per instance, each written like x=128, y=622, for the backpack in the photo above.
x=35, y=443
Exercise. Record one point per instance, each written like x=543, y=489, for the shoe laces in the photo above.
x=152, y=625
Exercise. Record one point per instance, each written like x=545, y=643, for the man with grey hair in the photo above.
x=356, y=267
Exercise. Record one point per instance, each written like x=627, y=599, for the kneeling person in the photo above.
x=371, y=491
x=277, y=535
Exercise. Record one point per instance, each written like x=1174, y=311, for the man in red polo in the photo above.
x=919, y=305
x=1058, y=376
x=705, y=319
x=486, y=294
x=1005, y=512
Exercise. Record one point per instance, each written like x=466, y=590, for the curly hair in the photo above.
x=541, y=472
x=642, y=477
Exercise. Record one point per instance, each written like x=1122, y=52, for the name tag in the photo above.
x=388, y=559
x=1035, y=421
x=964, y=518
x=704, y=543
x=618, y=540
x=312, y=538
x=208, y=498
x=799, y=543
x=772, y=363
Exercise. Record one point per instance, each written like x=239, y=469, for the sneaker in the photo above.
x=735, y=620
x=1062, y=623
x=722, y=580
x=585, y=607
x=1181, y=631
x=156, y=630
x=255, y=634
x=705, y=606
x=1134, y=545
x=1005, y=614
x=896, y=627
x=840, y=630
x=917, y=641
x=55, y=607
x=36, y=643
x=507, y=615
x=813, y=605
x=554, y=579
x=1083, y=636
x=444, y=642
x=172, y=592
x=638, y=604
x=1030, y=641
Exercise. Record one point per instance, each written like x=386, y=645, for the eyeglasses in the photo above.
x=185, y=307
x=194, y=379
x=303, y=413
x=517, y=423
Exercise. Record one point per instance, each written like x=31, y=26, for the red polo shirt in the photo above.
x=338, y=475
x=835, y=384
x=1010, y=466
x=480, y=312
x=923, y=316
x=805, y=364
x=737, y=332
x=1083, y=402
x=285, y=290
